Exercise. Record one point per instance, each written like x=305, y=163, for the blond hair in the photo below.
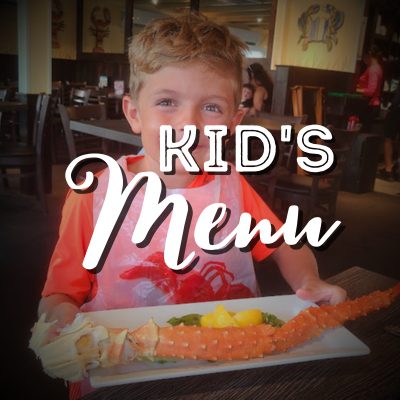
x=188, y=38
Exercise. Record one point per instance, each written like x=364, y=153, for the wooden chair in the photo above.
x=78, y=143
x=298, y=101
x=68, y=87
x=57, y=97
x=57, y=91
x=97, y=95
x=29, y=158
x=316, y=195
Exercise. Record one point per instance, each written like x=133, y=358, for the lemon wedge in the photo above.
x=219, y=318
x=248, y=317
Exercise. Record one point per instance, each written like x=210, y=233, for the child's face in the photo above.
x=178, y=95
x=246, y=94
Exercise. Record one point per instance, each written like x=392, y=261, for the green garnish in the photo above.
x=272, y=319
x=189, y=319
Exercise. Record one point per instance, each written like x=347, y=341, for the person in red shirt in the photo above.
x=370, y=85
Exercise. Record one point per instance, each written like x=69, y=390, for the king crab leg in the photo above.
x=192, y=342
x=259, y=340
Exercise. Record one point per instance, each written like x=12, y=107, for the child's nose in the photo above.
x=188, y=116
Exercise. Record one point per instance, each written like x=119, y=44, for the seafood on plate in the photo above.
x=83, y=345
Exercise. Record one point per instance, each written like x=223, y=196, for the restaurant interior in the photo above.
x=64, y=70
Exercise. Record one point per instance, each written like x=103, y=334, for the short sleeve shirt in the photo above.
x=66, y=274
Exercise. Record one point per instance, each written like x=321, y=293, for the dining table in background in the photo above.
x=374, y=376
x=120, y=131
x=112, y=129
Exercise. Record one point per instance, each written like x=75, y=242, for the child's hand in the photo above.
x=64, y=313
x=319, y=291
x=60, y=308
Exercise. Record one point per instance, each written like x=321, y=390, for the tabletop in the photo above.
x=112, y=129
x=374, y=376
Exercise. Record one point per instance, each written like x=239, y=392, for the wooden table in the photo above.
x=375, y=376
x=112, y=129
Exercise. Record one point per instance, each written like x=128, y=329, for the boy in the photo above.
x=183, y=71
x=247, y=98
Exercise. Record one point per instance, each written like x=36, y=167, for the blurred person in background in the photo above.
x=246, y=102
x=262, y=82
x=370, y=86
x=391, y=127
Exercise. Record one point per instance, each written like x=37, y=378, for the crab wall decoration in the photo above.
x=320, y=24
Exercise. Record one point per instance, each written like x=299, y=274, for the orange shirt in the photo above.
x=66, y=274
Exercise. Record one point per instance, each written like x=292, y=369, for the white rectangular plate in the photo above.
x=334, y=343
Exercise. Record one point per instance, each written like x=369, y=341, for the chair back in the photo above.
x=79, y=97
x=89, y=112
x=341, y=145
x=67, y=131
x=98, y=96
x=342, y=138
x=327, y=185
x=39, y=125
x=68, y=88
x=57, y=92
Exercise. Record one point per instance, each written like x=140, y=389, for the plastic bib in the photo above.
x=138, y=277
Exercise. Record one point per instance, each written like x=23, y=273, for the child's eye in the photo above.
x=213, y=108
x=166, y=103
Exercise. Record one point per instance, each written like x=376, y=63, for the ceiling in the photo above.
x=244, y=14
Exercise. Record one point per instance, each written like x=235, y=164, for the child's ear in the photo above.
x=131, y=113
x=237, y=119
